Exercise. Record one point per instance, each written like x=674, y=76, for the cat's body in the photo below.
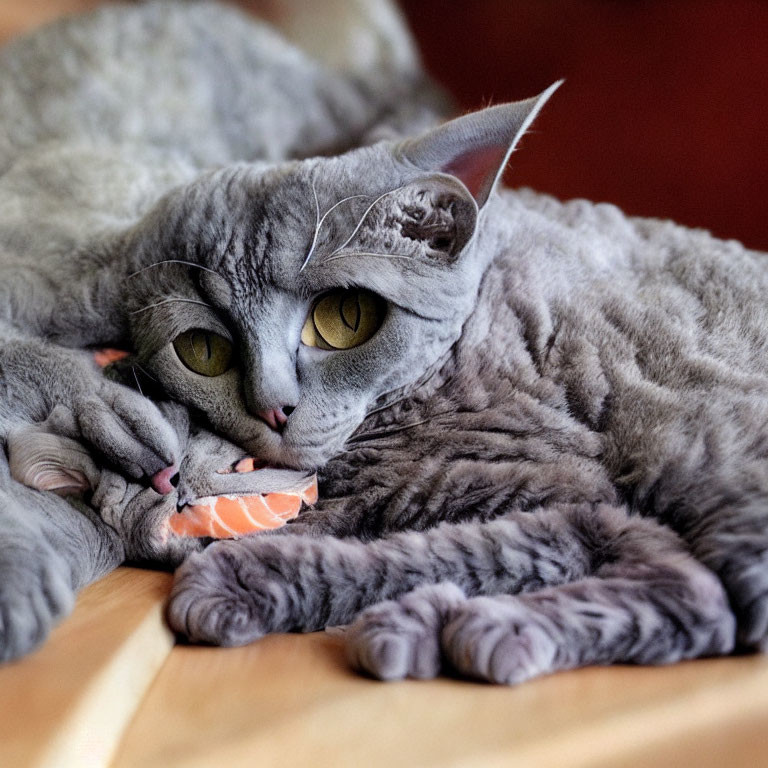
x=612, y=369
x=568, y=406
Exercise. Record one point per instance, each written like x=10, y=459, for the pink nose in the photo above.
x=165, y=480
x=276, y=418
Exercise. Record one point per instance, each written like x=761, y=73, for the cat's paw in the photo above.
x=124, y=427
x=227, y=596
x=498, y=639
x=79, y=403
x=130, y=431
x=401, y=638
x=35, y=592
x=747, y=589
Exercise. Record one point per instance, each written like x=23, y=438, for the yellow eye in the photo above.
x=343, y=319
x=204, y=352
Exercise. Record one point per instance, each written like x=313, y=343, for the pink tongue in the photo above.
x=161, y=481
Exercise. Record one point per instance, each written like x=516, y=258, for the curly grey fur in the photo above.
x=545, y=355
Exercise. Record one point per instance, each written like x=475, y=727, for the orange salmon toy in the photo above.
x=229, y=517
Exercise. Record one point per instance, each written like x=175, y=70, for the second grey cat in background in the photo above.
x=102, y=116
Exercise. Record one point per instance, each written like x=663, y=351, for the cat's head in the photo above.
x=283, y=301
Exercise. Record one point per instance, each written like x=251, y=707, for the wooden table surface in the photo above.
x=111, y=689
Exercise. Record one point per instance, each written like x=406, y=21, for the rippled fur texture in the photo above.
x=101, y=117
x=582, y=471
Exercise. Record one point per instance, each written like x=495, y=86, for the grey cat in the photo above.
x=541, y=426
x=102, y=117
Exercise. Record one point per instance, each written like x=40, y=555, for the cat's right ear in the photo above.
x=475, y=148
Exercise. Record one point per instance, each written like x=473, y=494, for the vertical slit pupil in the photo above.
x=350, y=305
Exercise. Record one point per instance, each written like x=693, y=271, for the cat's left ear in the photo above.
x=475, y=148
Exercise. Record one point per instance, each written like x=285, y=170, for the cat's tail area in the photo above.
x=357, y=36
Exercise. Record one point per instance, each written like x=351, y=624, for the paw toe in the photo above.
x=400, y=639
x=379, y=653
x=497, y=643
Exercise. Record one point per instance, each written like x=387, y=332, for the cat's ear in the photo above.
x=475, y=148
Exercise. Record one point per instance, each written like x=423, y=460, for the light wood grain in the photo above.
x=291, y=701
x=68, y=704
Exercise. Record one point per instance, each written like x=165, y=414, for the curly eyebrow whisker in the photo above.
x=317, y=227
x=320, y=220
x=365, y=216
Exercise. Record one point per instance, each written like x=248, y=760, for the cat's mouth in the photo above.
x=231, y=516
x=244, y=466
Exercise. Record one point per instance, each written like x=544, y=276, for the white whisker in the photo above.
x=320, y=220
x=387, y=406
x=363, y=218
x=173, y=261
x=365, y=253
x=136, y=379
x=317, y=228
x=145, y=371
x=386, y=431
x=168, y=301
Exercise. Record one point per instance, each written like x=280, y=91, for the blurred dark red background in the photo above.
x=664, y=110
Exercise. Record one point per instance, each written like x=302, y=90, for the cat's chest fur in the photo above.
x=599, y=349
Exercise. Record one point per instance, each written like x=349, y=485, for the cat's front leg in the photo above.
x=649, y=602
x=48, y=550
x=237, y=591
